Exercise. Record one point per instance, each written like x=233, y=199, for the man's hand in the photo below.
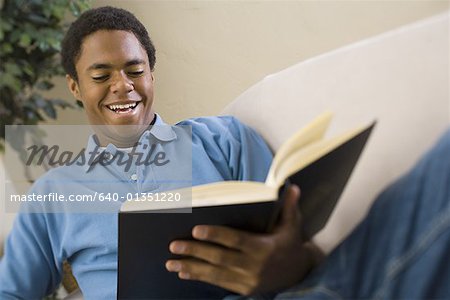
x=244, y=262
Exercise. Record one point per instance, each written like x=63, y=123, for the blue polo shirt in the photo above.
x=219, y=148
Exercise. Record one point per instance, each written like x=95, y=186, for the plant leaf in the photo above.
x=25, y=40
x=50, y=110
x=61, y=103
x=44, y=85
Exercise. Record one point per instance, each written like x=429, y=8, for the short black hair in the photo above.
x=102, y=18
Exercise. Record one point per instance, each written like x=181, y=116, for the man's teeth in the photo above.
x=122, y=106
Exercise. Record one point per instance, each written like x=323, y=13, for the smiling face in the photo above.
x=115, y=83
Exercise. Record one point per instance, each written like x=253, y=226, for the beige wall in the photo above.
x=208, y=52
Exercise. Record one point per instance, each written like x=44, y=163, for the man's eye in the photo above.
x=100, y=78
x=136, y=73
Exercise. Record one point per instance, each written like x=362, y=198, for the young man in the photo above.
x=109, y=59
x=399, y=251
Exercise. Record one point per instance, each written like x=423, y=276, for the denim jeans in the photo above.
x=402, y=248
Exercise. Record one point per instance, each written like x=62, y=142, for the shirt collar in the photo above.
x=160, y=130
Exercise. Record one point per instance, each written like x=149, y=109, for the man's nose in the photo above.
x=121, y=84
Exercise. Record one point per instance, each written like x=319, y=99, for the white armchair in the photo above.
x=401, y=78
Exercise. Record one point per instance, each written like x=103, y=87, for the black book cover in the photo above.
x=144, y=236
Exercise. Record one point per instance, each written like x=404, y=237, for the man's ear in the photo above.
x=73, y=87
x=153, y=76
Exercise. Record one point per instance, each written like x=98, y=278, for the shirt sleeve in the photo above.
x=28, y=269
x=249, y=156
x=237, y=150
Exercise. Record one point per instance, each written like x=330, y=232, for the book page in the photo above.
x=232, y=192
x=307, y=135
x=213, y=194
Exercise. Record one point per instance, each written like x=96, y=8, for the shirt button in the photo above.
x=134, y=177
x=108, y=155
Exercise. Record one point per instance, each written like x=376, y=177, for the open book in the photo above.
x=320, y=166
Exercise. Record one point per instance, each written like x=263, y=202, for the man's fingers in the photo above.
x=193, y=269
x=225, y=236
x=241, y=261
x=242, y=240
x=217, y=255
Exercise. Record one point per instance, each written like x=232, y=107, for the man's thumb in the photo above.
x=290, y=213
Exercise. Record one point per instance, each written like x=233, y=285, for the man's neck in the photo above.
x=122, y=136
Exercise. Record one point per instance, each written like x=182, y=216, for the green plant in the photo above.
x=30, y=34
